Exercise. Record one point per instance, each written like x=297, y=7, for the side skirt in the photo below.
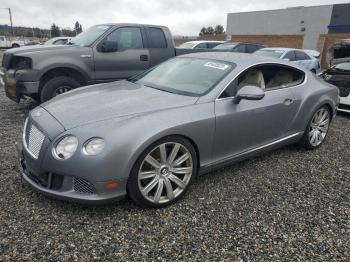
x=251, y=153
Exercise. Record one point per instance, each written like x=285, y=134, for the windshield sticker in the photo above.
x=216, y=65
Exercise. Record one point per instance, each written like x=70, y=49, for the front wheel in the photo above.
x=56, y=86
x=163, y=172
x=317, y=128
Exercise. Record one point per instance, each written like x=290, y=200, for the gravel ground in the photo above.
x=287, y=205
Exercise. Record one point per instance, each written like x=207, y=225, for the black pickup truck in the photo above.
x=103, y=53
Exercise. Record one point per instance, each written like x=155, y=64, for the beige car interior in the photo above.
x=253, y=77
x=281, y=78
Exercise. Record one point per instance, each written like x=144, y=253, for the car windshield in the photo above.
x=269, y=53
x=186, y=76
x=89, y=36
x=225, y=46
x=187, y=45
x=343, y=66
x=50, y=41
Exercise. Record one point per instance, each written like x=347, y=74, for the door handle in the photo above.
x=287, y=101
x=143, y=57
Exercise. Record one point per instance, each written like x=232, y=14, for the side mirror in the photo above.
x=109, y=46
x=249, y=93
x=286, y=59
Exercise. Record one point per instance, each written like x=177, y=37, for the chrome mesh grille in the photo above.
x=33, y=139
x=82, y=186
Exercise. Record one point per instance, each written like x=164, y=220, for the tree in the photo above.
x=78, y=28
x=55, y=30
x=210, y=30
x=219, y=29
x=203, y=31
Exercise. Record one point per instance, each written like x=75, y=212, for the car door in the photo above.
x=252, y=124
x=127, y=57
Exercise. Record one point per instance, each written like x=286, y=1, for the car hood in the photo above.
x=42, y=48
x=112, y=100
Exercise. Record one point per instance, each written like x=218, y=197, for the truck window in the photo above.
x=126, y=38
x=342, y=52
x=2, y=38
x=156, y=38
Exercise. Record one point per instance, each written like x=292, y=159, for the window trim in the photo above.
x=272, y=89
x=112, y=31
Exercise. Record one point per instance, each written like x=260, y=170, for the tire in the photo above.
x=56, y=86
x=162, y=186
x=15, y=45
x=317, y=128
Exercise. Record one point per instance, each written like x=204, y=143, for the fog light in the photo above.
x=111, y=184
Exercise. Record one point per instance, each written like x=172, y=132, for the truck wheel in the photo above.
x=15, y=45
x=56, y=86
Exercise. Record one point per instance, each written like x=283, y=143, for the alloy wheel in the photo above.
x=319, y=127
x=165, y=172
x=62, y=90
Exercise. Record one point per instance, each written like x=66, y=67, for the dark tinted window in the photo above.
x=290, y=55
x=301, y=56
x=126, y=38
x=342, y=52
x=239, y=48
x=251, y=48
x=201, y=45
x=211, y=45
x=156, y=38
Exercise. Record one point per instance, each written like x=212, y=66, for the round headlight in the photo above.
x=93, y=146
x=66, y=147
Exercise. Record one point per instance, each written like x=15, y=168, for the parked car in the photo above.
x=103, y=53
x=339, y=52
x=339, y=75
x=57, y=41
x=200, y=44
x=296, y=56
x=238, y=47
x=6, y=42
x=149, y=136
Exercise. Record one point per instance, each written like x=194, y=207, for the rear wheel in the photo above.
x=163, y=172
x=15, y=45
x=317, y=128
x=56, y=86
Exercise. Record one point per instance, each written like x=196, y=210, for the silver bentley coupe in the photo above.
x=150, y=136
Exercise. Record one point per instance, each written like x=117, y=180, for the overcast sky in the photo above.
x=183, y=17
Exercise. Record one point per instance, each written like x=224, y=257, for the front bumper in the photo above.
x=344, y=104
x=15, y=88
x=65, y=187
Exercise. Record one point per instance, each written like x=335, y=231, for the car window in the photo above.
x=212, y=45
x=126, y=38
x=201, y=45
x=342, y=52
x=2, y=38
x=239, y=49
x=60, y=42
x=269, y=53
x=290, y=55
x=268, y=77
x=299, y=55
x=251, y=48
x=156, y=38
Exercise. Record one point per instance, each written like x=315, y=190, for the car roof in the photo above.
x=242, y=60
x=205, y=41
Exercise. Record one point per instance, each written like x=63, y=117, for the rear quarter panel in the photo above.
x=311, y=96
